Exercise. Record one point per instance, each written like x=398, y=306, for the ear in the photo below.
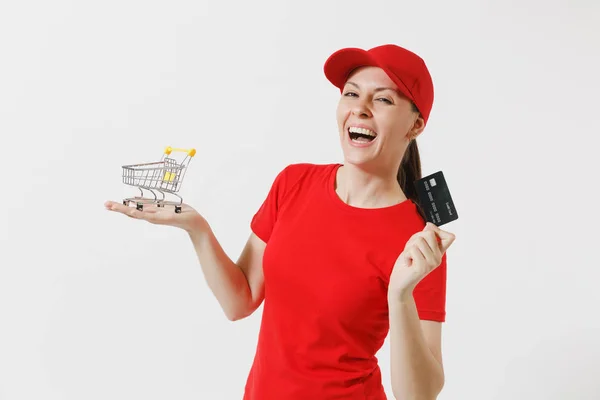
x=417, y=127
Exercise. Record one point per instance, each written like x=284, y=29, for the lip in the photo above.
x=360, y=126
x=354, y=144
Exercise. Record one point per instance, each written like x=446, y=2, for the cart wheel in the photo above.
x=177, y=209
x=125, y=203
x=140, y=206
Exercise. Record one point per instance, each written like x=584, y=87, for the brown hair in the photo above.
x=410, y=171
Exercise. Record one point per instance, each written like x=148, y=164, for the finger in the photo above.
x=426, y=252
x=147, y=208
x=114, y=206
x=412, y=239
x=128, y=211
x=409, y=242
x=433, y=242
x=417, y=256
x=136, y=214
x=109, y=204
x=445, y=238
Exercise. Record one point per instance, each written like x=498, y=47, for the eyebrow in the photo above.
x=379, y=89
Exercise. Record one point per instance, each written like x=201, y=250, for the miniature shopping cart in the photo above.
x=158, y=178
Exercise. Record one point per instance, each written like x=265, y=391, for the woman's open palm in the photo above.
x=159, y=215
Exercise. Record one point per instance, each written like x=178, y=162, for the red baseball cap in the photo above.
x=406, y=69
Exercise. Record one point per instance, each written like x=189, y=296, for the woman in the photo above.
x=340, y=253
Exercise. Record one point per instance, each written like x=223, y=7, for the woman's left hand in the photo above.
x=422, y=254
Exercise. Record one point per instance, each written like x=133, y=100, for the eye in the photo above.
x=383, y=99
x=350, y=94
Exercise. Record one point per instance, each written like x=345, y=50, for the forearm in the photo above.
x=416, y=374
x=224, y=278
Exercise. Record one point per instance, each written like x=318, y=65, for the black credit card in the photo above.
x=435, y=200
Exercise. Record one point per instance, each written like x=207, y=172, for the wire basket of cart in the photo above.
x=158, y=179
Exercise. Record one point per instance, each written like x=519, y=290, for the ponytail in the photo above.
x=410, y=171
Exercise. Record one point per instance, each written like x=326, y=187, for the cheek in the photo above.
x=397, y=127
x=341, y=115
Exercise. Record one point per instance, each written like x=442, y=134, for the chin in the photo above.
x=357, y=156
x=357, y=159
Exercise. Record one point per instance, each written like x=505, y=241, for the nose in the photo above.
x=360, y=109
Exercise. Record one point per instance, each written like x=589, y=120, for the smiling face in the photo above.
x=375, y=120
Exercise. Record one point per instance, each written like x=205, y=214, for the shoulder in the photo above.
x=297, y=177
x=297, y=173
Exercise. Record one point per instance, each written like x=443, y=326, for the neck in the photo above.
x=368, y=189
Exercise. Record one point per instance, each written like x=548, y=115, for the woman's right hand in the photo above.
x=188, y=219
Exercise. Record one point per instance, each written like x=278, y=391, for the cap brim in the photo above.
x=340, y=65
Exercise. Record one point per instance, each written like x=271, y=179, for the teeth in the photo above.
x=362, y=131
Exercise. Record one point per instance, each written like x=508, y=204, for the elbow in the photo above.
x=239, y=313
x=235, y=315
x=431, y=392
x=413, y=396
x=232, y=317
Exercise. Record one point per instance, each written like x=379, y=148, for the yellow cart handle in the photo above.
x=191, y=152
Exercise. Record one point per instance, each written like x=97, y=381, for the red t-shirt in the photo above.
x=327, y=266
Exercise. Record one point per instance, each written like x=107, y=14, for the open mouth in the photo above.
x=361, y=135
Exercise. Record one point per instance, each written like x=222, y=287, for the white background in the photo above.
x=94, y=305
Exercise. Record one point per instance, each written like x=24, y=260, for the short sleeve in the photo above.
x=430, y=294
x=265, y=218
